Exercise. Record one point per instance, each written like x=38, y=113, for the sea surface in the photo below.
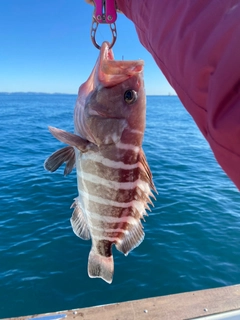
x=192, y=237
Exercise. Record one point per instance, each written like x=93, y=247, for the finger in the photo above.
x=90, y=2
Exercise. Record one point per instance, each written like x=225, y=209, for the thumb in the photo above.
x=90, y=2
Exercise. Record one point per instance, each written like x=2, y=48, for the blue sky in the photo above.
x=45, y=46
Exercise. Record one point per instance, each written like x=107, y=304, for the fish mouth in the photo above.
x=112, y=72
x=106, y=52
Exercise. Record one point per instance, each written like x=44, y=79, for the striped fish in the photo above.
x=114, y=179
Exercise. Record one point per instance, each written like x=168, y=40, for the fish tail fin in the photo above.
x=100, y=266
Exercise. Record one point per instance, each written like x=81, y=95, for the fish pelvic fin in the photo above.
x=70, y=138
x=101, y=266
x=78, y=222
x=64, y=155
x=132, y=239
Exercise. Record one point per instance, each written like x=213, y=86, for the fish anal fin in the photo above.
x=69, y=138
x=100, y=266
x=79, y=223
x=66, y=154
x=131, y=239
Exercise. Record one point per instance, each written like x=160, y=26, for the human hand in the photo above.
x=90, y=2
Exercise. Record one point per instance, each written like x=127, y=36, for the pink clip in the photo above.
x=105, y=11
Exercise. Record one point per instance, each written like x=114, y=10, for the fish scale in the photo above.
x=114, y=180
x=106, y=195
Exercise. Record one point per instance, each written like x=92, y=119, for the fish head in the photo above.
x=111, y=104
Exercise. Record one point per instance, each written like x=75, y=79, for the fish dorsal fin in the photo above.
x=79, y=223
x=131, y=239
x=66, y=154
x=146, y=169
x=69, y=138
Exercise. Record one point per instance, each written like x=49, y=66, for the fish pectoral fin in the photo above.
x=132, y=239
x=100, y=266
x=69, y=138
x=79, y=223
x=66, y=154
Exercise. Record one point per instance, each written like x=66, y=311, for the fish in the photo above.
x=115, y=184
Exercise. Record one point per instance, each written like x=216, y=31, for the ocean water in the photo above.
x=192, y=234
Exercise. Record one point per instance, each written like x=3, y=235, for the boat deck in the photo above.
x=211, y=304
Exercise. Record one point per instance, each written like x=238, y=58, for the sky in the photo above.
x=45, y=46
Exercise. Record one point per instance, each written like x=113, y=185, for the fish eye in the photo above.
x=130, y=96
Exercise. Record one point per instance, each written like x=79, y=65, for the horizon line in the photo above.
x=75, y=94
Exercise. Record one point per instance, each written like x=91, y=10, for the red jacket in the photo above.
x=196, y=44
